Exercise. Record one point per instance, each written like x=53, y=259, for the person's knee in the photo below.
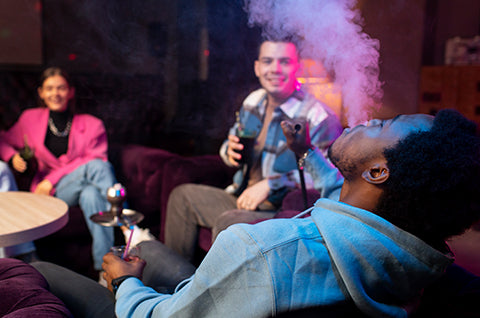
x=41, y=266
x=100, y=165
x=89, y=192
x=226, y=219
x=179, y=193
x=179, y=198
x=46, y=269
x=230, y=217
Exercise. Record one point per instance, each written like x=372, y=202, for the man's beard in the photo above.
x=345, y=167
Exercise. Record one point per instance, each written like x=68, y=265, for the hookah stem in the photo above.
x=302, y=183
x=127, y=247
x=297, y=128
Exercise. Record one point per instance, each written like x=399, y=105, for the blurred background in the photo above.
x=171, y=74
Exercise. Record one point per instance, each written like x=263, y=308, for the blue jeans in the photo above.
x=7, y=180
x=87, y=186
x=7, y=183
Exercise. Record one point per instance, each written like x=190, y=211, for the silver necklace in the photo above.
x=54, y=130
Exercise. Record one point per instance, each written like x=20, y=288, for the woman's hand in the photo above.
x=251, y=198
x=115, y=267
x=18, y=163
x=44, y=187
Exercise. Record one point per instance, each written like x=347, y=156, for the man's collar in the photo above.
x=290, y=106
x=259, y=99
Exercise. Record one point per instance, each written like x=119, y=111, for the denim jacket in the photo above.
x=339, y=253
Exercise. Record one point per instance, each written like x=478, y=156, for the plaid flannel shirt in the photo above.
x=279, y=164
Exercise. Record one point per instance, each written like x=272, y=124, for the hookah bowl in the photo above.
x=117, y=215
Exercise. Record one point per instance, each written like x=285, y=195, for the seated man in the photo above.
x=259, y=186
x=379, y=246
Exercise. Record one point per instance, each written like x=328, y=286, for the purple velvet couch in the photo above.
x=25, y=293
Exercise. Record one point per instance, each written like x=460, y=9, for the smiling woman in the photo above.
x=71, y=151
x=56, y=93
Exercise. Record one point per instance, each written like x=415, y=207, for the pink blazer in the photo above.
x=87, y=141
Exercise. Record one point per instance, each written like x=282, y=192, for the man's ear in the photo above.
x=376, y=174
x=256, y=68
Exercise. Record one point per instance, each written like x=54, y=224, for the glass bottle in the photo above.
x=28, y=155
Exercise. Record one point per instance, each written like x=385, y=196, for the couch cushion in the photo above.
x=25, y=292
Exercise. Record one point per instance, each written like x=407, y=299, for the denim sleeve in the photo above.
x=230, y=281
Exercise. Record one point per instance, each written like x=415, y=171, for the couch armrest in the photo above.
x=140, y=169
x=25, y=292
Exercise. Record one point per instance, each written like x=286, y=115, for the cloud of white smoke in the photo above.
x=330, y=32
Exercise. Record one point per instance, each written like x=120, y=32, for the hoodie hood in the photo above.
x=380, y=266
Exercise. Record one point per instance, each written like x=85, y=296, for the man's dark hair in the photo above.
x=433, y=190
x=287, y=38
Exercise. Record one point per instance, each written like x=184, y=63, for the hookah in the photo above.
x=117, y=216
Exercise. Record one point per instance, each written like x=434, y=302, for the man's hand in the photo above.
x=234, y=144
x=298, y=136
x=44, y=187
x=18, y=163
x=115, y=267
x=253, y=196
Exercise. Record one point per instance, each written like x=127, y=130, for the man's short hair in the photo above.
x=434, y=186
x=286, y=38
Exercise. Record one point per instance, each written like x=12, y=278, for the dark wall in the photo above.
x=413, y=33
x=445, y=20
x=152, y=73
x=398, y=25
x=136, y=65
